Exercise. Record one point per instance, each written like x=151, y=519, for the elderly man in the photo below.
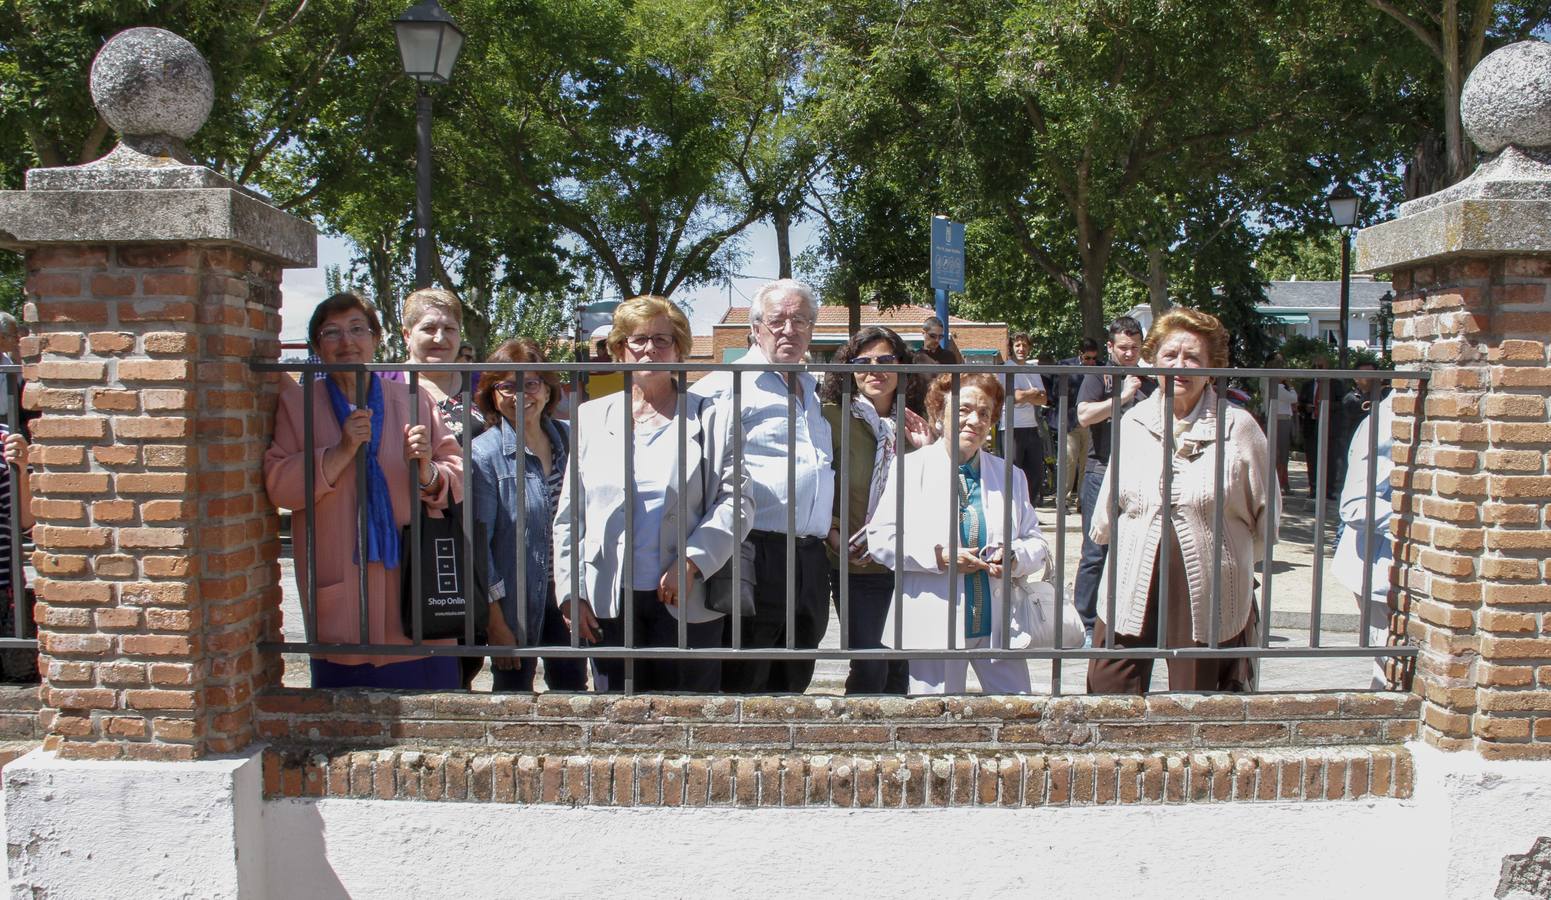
x=10, y=339
x=781, y=321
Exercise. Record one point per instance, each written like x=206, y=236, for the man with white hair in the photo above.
x=781, y=321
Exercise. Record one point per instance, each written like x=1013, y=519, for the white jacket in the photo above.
x=929, y=475
x=1351, y=551
x=599, y=436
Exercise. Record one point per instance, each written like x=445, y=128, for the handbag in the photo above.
x=1035, y=607
x=440, y=565
x=719, y=589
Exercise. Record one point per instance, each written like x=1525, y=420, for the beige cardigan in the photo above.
x=1139, y=529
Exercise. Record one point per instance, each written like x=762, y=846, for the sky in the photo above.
x=303, y=289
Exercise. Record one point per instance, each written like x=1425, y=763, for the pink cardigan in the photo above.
x=334, y=507
x=1136, y=535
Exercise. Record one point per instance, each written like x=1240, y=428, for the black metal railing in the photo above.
x=21, y=634
x=1260, y=648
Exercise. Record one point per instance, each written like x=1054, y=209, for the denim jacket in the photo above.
x=494, y=464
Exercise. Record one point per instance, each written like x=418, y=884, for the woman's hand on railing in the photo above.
x=590, y=632
x=917, y=431
x=16, y=450
x=417, y=448
x=668, y=584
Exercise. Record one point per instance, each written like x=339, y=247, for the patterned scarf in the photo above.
x=972, y=528
x=883, y=456
x=382, y=532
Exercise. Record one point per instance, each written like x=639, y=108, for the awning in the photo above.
x=1288, y=318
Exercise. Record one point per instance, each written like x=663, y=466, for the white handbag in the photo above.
x=1034, y=611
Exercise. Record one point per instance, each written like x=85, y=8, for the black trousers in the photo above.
x=868, y=601
x=1028, y=454
x=766, y=628
x=560, y=674
x=655, y=626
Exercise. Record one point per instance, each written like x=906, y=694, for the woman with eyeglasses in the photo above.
x=345, y=329
x=648, y=330
x=873, y=445
x=955, y=485
x=526, y=614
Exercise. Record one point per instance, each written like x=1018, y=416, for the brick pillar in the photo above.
x=1472, y=280
x=151, y=286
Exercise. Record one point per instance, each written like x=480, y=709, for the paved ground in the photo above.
x=1293, y=579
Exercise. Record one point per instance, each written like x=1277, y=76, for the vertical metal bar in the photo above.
x=1111, y=561
x=843, y=504
x=1221, y=411
x=411, y=559
x=681, y=413
x=520, y=576
x=1167, y=542
x=1274, y=493
x=309, y=511
x=21, y=614
x=1009, y=386
x=791, y=509
x=899, y=516
x=469, y=638
x=1323, y=467
x=1369, y=502
x=737, y=508
x=361, y=379
x=627, y=581
x=1062, y=405
x=574, y=461
x=954, y=521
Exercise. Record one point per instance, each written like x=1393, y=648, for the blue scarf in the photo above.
x=382, y=532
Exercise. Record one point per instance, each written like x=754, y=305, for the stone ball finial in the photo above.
x=1507, y=98
x=151, y=82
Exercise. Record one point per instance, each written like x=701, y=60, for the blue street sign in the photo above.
x=947, y=255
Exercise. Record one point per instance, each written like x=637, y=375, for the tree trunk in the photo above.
x=1157, y=281
x=781, y=217
x=853, y=295
x=1460, y=158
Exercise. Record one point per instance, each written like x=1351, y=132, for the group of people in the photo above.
x=653, y=586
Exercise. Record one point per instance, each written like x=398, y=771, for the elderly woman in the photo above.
x=433, y=330
x=648, y=330
x=527, y=613
x=930, y=475
x=345, y=329
x=1182, y=339
x=872, y=448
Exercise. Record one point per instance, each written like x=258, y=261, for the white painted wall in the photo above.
x=95, y=829
x=146, y=830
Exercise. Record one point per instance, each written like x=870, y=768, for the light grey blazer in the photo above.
x=598, y=438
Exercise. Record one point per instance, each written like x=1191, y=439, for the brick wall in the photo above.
x=156, y=551
x=1471, y=490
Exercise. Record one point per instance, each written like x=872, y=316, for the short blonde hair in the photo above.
x=1202, y=324
x=416, y=304
x=637, y=311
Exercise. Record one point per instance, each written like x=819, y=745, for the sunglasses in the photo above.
x=886, y=359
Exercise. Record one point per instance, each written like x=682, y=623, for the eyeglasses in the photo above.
x=639, y=342
x=886, y=359
x=529, y=386
x=934, y=335
x=1089, y=360
x=798, y=324
x=332, y=335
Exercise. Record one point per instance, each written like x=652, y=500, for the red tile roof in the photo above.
x=838, y=315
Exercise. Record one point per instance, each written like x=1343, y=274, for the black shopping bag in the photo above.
x=439, y=563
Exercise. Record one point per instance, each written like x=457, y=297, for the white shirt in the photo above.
x=1025, y=415
x=1285, y=398
x=765, y=443
x=655, y=461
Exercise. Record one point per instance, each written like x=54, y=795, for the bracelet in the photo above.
x=436, y=475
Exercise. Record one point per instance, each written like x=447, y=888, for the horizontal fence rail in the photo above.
x=1060, y=397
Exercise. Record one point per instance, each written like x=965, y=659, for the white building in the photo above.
x=1312, y=309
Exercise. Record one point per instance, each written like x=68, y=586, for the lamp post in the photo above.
x=1344, y=205
x=429, y=42
x=1386, y=319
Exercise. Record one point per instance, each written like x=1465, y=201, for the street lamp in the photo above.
x=1386, y=319
x=1344, y=205
x=429, y=42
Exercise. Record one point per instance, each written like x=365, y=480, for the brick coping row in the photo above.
x=842, y=780
x=591, y=724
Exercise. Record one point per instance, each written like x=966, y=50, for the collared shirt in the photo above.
x=765, y=443
x=1026, y=415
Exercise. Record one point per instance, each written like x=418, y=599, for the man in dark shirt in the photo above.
x=1094, y=406
x=932, y=351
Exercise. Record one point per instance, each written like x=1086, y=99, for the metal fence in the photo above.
x=1261, y=648
x=20, y=635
